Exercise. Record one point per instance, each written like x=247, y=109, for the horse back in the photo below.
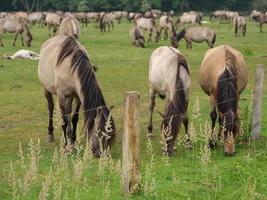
x=214, y=64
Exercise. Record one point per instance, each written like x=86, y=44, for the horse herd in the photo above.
x=65, y=70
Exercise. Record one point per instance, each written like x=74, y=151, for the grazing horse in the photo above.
x=64, y=70
x=166, y=24
x=240, y=25
x=12, y=24
x=137, y=37
x=105, y=19
x=70, y=27
x=150, y=25
x=117, y=15
x=223, y=76
x=197, y=34
x=169, y=77
x=53, y=21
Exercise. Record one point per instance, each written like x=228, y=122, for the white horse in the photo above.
x=24, y=54
x=169, y=77
x=150, y=25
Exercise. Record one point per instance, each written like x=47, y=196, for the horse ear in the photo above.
x=160, y=114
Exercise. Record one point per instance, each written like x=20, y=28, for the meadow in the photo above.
x=34, y=169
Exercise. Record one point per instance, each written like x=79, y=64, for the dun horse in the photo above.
x=53, y=21
x=64, y=70
x=137, y=37
x=169, y=77
x=150, y=25
x=106, y=19
x=166, y=24
x=70, y=27
x=223, y=76
x=13, y=25
x=240, y=25
x=197, y=34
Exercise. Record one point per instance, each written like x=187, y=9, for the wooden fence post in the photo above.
x=257, y=101
x=131, y=144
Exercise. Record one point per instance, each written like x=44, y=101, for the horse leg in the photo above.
x=1, y=41
x=14, y=42
x=50, y=105
x=213, y=116
x=165, y=34
x=75, y=118
x=108, y=27
x=49, y=27
x=62, y=105
x=160, y=30
x=190, y=44
x=188, y=143
x=22, y=41
x=54, y=30
x=68, y=110
x=150, y=36
x=151, y=109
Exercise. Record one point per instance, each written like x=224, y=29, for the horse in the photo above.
x=223, y=77
x=24, y=54
x=150, y=25
x=189, y=17
x=105, y=19
x=137, y=37
x=37, y=17
x=240, y=25
x=197, y=34
x=12, y=24
x=169, y=77
x=117, y=15
x=70, y=27
x=64, y=70
x=254, y=16
x=81, y=17
x=134, y=16
x=166, y=24
x=262, y=20
x=53, y=21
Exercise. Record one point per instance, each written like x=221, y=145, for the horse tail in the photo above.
x=227, y=92
x=178, y=104
x=214, y=38
x=181, y=35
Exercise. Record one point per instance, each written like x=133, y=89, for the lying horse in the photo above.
x=223, y=76
x=240, y=25
x=169, y=77
x=12, y=24
x=197, y=34
x=137, y=37
x=64, y=70
x=150, y=25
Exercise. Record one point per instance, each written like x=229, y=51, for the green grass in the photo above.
x=122, y=67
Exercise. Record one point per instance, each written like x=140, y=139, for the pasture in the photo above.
x=188, y=174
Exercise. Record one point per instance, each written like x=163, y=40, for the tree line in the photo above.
x=131, y=5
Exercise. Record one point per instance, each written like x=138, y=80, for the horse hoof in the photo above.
x=50, y=138
x=212, y=144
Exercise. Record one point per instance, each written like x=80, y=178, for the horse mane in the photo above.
x=92, y=94
x=227, y=91
x=181, y=35
x=178, y=104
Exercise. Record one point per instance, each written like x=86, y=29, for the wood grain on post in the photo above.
x=131, y=144
x=257, y=101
